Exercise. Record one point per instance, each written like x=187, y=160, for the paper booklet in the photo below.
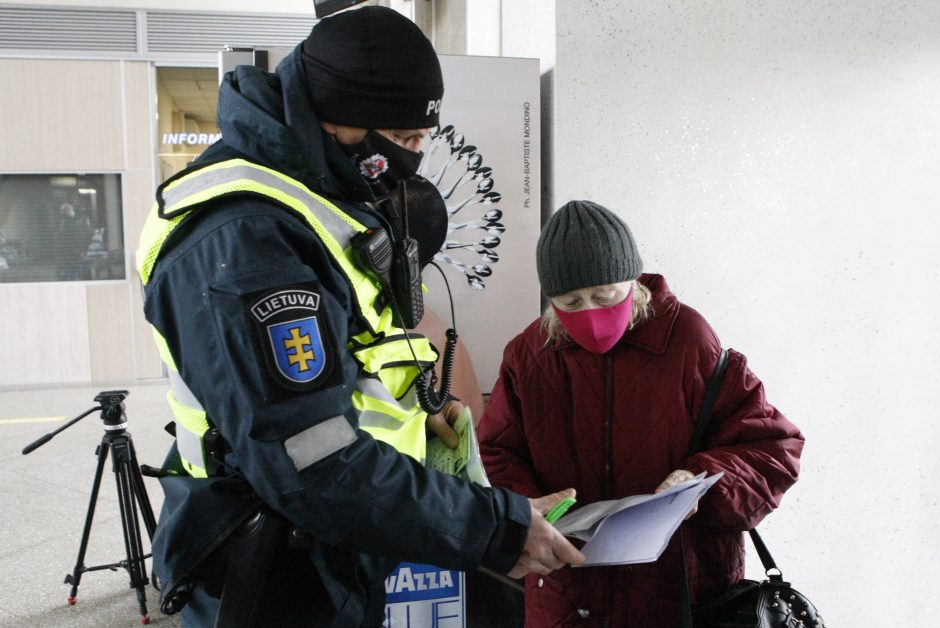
x=463, y=462
x=633, y=529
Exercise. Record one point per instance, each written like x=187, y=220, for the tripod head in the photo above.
x=112, y=409
x=111, y=405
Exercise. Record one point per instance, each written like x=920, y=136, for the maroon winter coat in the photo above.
x=617, y=424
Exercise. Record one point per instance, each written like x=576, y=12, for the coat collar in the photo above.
x=268, y=118
x=653, y=334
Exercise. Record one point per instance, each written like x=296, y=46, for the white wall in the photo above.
x=778, y=162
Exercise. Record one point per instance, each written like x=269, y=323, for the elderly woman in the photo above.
x=601, y=394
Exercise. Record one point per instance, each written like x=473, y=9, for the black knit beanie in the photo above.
x=373, y=68
x=584, y=245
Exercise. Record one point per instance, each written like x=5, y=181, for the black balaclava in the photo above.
x=373, y=68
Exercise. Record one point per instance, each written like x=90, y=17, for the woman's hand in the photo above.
x=676, y=477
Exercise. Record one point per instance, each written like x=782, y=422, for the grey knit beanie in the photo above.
x=583, y=245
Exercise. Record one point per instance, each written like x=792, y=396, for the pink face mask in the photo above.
x=599, y=329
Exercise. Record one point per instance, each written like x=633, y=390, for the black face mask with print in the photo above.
x=382, y=162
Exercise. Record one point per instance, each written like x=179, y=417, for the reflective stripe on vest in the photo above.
x=191, y=426
x=179, y=195
x=391, y=414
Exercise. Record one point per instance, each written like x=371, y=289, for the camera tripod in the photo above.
x=132, y=496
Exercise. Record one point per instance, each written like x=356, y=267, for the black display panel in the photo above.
x=326, y=7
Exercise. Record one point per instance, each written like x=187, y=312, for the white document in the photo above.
x=634, y=529
x=463, y=462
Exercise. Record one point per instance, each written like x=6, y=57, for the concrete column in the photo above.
x=458, y=27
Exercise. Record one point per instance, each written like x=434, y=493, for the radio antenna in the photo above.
x=403, y=196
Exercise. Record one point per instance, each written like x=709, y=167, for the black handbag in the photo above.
x=770, y=603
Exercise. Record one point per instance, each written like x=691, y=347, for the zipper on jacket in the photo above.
x=608, y=426
x=608, y=467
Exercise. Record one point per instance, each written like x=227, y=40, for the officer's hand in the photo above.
x=441, y=425
x=676, y=477
x=545, y=548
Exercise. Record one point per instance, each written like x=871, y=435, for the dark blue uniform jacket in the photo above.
x=367, y=507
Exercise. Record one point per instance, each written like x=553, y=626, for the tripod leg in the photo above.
x=139, y=493
x=75, y=577
x=127, y=493
x=140, y=490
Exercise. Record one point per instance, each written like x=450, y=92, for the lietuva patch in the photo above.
x=295, y=335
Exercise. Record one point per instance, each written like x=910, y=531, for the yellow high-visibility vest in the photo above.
x=385, y=394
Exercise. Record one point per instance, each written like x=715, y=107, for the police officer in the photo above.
x=295, y=482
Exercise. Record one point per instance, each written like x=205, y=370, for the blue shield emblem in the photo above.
x=298, y=349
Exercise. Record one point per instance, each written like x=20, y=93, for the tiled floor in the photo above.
x=44, y=501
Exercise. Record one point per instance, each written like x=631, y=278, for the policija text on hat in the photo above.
x=295, y=484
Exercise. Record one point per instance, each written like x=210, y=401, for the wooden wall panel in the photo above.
x=148, y=364
x=70, y=115
x=44, y=332
x=138, y=93
x=138, y=186
x=138, y=189
x=138, y=197
x=61, y=115
x=109, y=332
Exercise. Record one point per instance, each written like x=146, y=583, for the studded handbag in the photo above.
x=770, y=603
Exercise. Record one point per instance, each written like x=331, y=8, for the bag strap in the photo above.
x=765, y=558
x=714, y=385
x=704, y=414
x=711, y=394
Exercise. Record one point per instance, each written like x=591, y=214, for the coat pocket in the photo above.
x=554, y=600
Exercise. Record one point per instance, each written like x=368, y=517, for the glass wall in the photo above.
x=186, y=105
x=61, y=227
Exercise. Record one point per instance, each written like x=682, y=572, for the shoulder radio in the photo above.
x=394, y=259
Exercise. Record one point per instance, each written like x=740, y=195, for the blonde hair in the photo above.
x=556, y=334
